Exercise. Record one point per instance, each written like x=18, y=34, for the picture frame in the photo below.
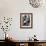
x=26, y=20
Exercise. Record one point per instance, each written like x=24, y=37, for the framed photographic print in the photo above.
x=26, y=20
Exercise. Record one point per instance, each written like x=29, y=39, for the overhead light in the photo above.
x=36, y=3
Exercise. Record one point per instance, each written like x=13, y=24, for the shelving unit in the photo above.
x=22, y=43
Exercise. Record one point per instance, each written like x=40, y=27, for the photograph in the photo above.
x=26, y=20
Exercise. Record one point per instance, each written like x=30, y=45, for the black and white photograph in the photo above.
x=26, y=20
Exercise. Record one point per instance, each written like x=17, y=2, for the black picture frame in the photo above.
x=26, y=20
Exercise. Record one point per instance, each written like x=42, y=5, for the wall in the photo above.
x=13, y=8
